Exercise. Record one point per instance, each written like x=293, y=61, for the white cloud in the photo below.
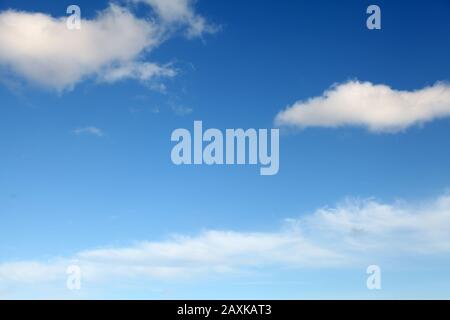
x=354, y=232
x=109, y=47
x=175, y=12
x=357, y=226
x=93, y=131
x=378, y=108
x=44, y=51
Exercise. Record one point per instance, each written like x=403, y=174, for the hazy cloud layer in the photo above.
x=351, y=233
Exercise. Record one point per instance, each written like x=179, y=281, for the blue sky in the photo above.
x=86, y=175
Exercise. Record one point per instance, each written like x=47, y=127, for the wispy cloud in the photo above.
x=181, y=12
x=378, y=108
x=93, y=131
x=180, y=110
x=137, y=70
x=353, y=232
